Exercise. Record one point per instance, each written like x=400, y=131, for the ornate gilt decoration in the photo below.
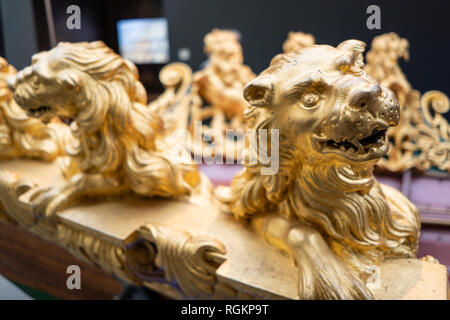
x=119, y=143
x=190, y=261
x=217, y=92
x=421, y=140
x=324, y=207
x=175, y=102
x=148, y=255
x=22, y=135
x=109, y=255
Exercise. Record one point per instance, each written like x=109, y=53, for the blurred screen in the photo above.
x=144, y=41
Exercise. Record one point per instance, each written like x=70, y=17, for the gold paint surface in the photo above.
x=297, y=40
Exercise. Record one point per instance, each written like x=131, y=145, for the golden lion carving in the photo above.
x=22, y=135
x=324, y=205
x=119, y=143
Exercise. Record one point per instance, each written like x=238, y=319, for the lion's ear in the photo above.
x=355, y=46
x=259, y=92
x=69, y=79
x=37, y=56
x=353, y=56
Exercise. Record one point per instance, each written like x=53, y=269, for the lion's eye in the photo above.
x=310, y=99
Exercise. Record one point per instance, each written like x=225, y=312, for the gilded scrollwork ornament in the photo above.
x=190, y=261
x=146, y=257
x=421, y=140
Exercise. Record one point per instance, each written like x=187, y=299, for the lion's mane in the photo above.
x=117, y=134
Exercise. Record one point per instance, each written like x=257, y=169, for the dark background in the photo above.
x=263, y=25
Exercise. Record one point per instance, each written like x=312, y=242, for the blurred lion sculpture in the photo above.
x=220, y=83
x=421, y=140
x=119, y=143
x=217, y=102
x=20, y=134
x=297, y=40
x=324, y=205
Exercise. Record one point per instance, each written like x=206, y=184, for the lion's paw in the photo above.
x=331, y=282
x=44, y=203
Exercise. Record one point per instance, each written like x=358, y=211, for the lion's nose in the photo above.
x=391, y=108
x=364, y=96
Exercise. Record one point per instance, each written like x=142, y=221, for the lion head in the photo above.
x=21, y=135
x=223, y=45
x=117, y=135
x=65, y=80
x=332, y=120
x=330, y=109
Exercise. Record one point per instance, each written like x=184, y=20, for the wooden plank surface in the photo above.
x=40, y=264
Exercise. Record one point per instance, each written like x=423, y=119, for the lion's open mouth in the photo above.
x=370, y=146
x=377, y=136
x=363, y=145
x=39, y=111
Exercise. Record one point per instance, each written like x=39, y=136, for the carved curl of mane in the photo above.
x=117, y=133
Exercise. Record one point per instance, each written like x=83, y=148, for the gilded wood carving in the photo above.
x=119, y=142
x=190, y=261
x=324, y=206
